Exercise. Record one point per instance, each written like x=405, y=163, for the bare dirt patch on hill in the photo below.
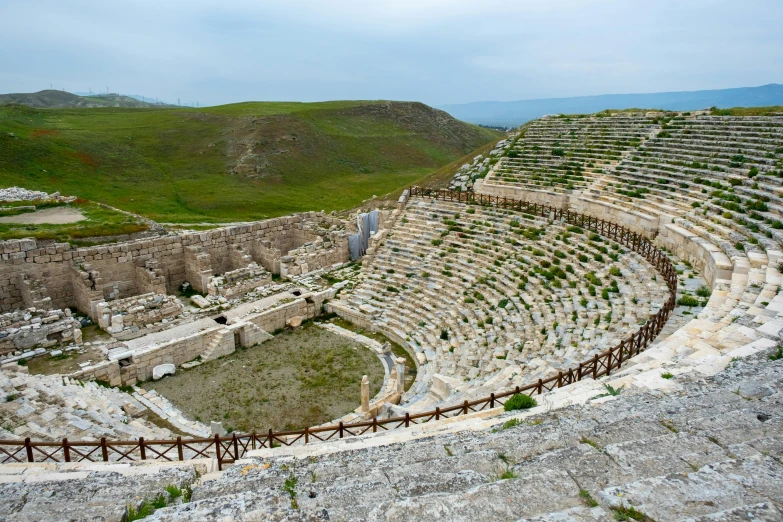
x=48, y=216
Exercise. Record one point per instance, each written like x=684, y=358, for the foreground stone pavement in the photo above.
x=705, y=449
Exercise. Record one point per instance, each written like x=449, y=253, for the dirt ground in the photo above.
x=300, y=378
x=47, y=216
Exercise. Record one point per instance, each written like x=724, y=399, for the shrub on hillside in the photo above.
x=520, y=401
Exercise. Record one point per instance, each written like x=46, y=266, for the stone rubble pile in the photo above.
x=32, y=328
x=239, y=282
x=468, y=173
x=137, y=312
x=51, y=407
x=22, y=194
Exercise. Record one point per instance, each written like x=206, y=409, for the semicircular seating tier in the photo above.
x=706, y=187
x=489, y=298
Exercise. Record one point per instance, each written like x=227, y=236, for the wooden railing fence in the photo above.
x=227, y=449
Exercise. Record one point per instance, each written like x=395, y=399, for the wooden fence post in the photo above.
x=217, y=452
x=179, y=449
x=29, y=449
x=104, y=451
x=66, y=451
x=142, y=449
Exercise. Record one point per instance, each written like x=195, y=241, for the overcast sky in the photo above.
x=435, y=51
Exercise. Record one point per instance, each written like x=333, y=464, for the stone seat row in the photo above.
x=50, y=407
x=481, y=340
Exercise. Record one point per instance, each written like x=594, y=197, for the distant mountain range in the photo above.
x=52, y=99
x=515, y=113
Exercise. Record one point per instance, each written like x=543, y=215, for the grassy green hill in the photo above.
x=232, y=162
x=52, y=99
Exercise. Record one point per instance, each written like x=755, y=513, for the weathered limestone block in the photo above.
x=161, y=370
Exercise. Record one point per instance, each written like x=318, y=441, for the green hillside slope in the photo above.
x=51, y=99
x=233, y=162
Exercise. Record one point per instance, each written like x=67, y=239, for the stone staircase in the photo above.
x=167, y=411
x=217, y=345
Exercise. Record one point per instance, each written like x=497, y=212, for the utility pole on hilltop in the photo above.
x=178, y=102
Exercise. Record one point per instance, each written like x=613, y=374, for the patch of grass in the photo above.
x=11, y=397
x=667, y=375
x=289, y=486
x=174, y=491
x=747, y=111
x=143, y=511
x=623, y=514
x=591, y=442
x=147, y=508
x=669, y=425
x=511, y=423
x=610, y=391
x=254, y=389
x=587, y=498
x=520, y=401
x=777, y=355
x=688, y=300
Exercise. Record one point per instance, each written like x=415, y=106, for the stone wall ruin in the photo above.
x=60, y=277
